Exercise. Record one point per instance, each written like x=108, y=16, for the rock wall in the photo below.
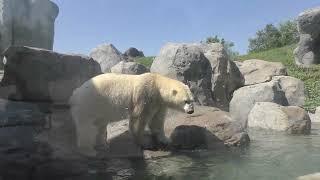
x=27, y=22
x=42, y=75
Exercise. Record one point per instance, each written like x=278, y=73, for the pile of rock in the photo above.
x=112, y=60
x=267, y=82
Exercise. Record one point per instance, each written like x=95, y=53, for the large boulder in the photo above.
x=245, y=98
x=308, y=50
x=43, y=75
x=129, y=68
x=186, y=63
x=291, y=119
x=27, y=23
x=226, y=77
x=293, y=88
x=257, y=71
x=107, y=56
x=209, y=125
x=208, y=128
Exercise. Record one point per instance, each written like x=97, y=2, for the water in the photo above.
x=271, y=156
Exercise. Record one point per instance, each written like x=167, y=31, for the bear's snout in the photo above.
x=188, y=108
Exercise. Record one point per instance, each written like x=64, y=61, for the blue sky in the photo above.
x=149, y=24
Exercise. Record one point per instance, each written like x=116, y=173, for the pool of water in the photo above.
x=270, y=156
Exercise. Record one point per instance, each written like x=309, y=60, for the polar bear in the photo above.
x=111, y=97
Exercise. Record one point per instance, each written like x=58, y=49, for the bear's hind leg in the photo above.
x=86, y=138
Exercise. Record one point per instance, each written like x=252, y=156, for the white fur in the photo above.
x=111, y=97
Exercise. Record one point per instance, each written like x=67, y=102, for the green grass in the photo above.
x=310, y=76
x=146, y=61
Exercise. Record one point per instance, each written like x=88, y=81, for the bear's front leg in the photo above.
x=156, y=125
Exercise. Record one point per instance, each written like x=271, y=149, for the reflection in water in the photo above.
x=271, y=155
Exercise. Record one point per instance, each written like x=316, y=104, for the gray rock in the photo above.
x=107, y=56
x=129, y=68
x=308, y=51
x=293, y=88
x=226, y=77
x=291, y=119
x=186, y=63
x=244, y=99
x=257, y=71
x=43, y=75
x=133, y=52
x=28, y=23
x=208, y=128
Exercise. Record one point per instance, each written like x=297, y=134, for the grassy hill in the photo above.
x=311, y=76
x=146, y=61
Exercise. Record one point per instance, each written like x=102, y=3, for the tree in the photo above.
x=265, y=39
x=272, y=37
x=289, y=32
x=228, y=45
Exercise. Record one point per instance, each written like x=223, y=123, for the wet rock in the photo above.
x=186, y=63
x=245, y=98
x=107, y=56
x=43, y=75
x=56, y=169
x=291, y=119
x=129, y=68
x=307, y=52
x=257, y=71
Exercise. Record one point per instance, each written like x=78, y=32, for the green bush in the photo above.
x=310, y=76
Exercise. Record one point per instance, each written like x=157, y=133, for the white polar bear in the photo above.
x=111, y=97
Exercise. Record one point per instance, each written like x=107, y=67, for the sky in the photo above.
x=149, y=24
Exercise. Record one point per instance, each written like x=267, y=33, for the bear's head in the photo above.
x=183, y=99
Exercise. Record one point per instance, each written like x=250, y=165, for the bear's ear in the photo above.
x=174, y=92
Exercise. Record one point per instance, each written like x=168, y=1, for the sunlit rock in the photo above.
x=257, y=71
x=107, y=56
x=291, y=119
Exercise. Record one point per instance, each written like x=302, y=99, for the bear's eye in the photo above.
x=187, y=102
